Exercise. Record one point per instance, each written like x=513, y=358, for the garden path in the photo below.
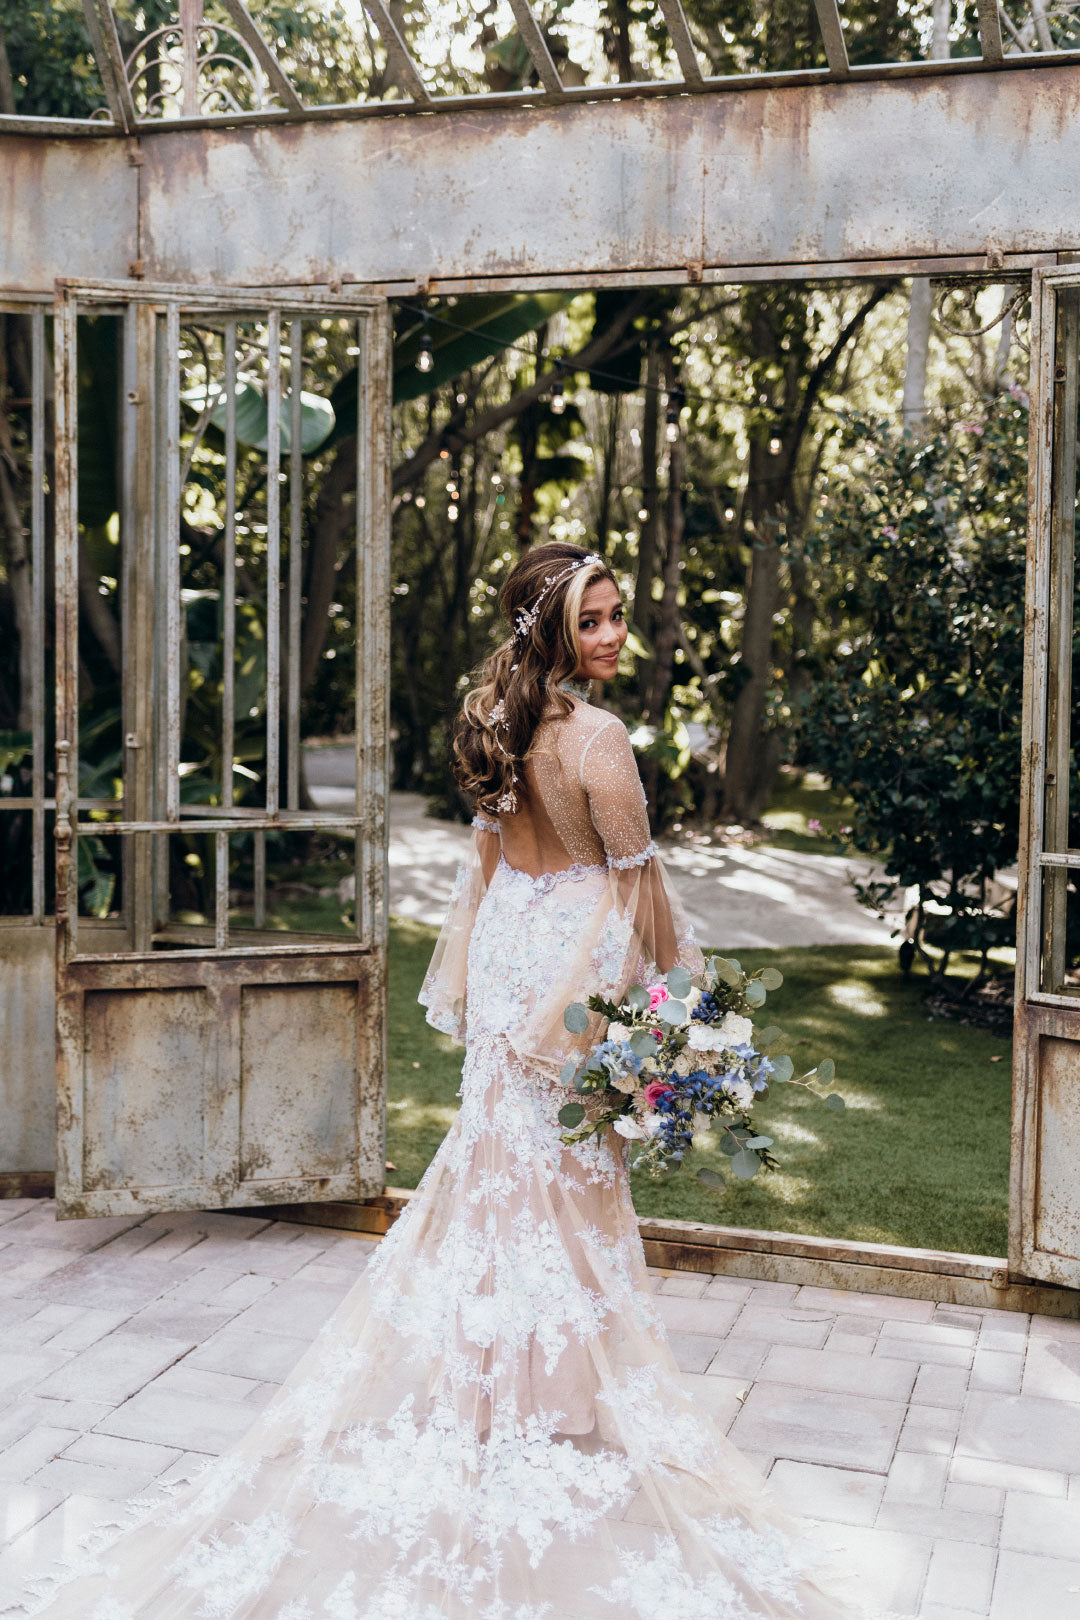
x=940, y=1445
x=738, y=898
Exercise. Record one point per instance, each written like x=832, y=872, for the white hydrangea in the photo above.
x=618, y=1032
x=737, y=1030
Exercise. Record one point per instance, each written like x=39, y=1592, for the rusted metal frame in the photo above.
x=1060, y=613
x=101, y=26
x=1068, y=858
x=228, y=592
x=133, y=673
x=537, y=47
x=66, y=629
x=296, y=560
x=398, y=54
x=993, y=50
x=173, y=605
x=273, y=560
x=515, y=100
x=301, y=821
x=256, y=43
x=832, y=37
x=161, y=901
x=683, y=45
x=195, y=297
x=37, y=588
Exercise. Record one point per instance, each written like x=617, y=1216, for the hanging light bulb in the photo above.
x=774, y=446
x=425, y=360
x=558, y=398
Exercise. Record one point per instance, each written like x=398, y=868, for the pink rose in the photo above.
x=657, y=994
x=655, y=1090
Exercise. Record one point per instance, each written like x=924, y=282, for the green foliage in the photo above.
x=916, y=708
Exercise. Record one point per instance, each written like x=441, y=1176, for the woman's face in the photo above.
x=601, y=632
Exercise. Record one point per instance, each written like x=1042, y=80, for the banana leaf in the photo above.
x=252, y=426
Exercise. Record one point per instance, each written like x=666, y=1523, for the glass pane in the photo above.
x=1062, y=804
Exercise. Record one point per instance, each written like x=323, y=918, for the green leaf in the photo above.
x=253, y=417
x=755, y=993
x=568, y=1072
x=769, y=1035
x=638, y=997
x=772, y=978
x=758, y=1142
x=826, y=1071
x=730, y=1145
x=711, y=1178
x=14, y=746
x=671, y=1012
x=745, y=1165
x=643, y=1043
x=576, y=1018
x=783, y=1068
x=727, y=971
x=571, y=1115
x=835, y=1101
x=679, y=982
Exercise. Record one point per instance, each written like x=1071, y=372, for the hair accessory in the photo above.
x=524, y=621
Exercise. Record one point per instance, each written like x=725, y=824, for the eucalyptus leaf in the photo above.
x=745, y=1165
x=730, y=1145
x=643, y=1043
x=782, y=1067
x=638, y=998
x=671, y=1012
x=576, y=1018
x=679, y=982
x=568, y=1072
x=769, y=1035
x=835, y=1101
x=571, y=1115
x=711, y=1178
x=727, y=971
x=755, y=993
x=758, y=1142
x=772, y=978
x=826, y=1071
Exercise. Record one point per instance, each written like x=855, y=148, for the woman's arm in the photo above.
x=617, y=806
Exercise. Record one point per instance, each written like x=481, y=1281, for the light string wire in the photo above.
x=563, y=365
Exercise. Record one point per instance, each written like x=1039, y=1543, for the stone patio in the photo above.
x=940, y=1444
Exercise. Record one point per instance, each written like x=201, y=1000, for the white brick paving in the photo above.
x=938, y=1445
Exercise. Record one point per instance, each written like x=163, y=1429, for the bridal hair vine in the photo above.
x=524, y=621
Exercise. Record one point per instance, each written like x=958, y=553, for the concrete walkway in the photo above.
x=939, y=1445
x=735, y=897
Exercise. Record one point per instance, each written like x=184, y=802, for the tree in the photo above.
x=915, y=712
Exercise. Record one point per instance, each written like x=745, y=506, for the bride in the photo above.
x=492, y=1426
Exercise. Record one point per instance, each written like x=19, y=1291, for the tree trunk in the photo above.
x=918, y=352
x=335, y=518
x=667, y=635
x=644, y=614
x=747, y=772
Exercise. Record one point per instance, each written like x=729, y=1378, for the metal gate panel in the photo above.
x=1044, y=1204
x=211, y=1060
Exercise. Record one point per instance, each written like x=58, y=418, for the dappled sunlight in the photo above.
x=854, y=994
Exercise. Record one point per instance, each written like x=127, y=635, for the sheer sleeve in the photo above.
x=617, y=806
x=443, y=989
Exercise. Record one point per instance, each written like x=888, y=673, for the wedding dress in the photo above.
x=492, y=1425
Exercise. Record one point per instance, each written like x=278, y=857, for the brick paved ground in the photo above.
x=940, y=1444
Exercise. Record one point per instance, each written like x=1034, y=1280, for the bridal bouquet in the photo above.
x=680, y=1057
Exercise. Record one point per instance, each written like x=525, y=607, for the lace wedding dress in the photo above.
x=492, y=1426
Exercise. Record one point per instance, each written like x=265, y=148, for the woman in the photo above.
x=492, y=1426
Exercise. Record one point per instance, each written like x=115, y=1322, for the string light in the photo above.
x=676, y=401
x=558, y=398
x=425, y=360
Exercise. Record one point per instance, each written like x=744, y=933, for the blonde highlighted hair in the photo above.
x=514, y=688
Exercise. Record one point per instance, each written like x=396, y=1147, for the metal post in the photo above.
x=172, y=559
x=228, y=583
x=67, y=626
x=273, y=562
x=37, y=564
x=296, y=557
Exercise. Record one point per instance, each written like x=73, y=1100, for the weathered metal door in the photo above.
x=1044, y=1239
x=216, y=1046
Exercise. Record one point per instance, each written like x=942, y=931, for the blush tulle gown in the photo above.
x=492, y=1425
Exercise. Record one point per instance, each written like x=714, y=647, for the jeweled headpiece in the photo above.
x=524, y=621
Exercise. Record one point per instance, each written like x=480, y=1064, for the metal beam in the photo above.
x=252, y=37
x=398, y=53
x=832, y=36
x=537, y=47
x=990, y=31
x=101, y=26
x=679, y=33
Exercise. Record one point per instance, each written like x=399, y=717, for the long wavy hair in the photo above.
x=541, y=601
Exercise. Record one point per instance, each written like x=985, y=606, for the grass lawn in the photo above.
x=920, y=1157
